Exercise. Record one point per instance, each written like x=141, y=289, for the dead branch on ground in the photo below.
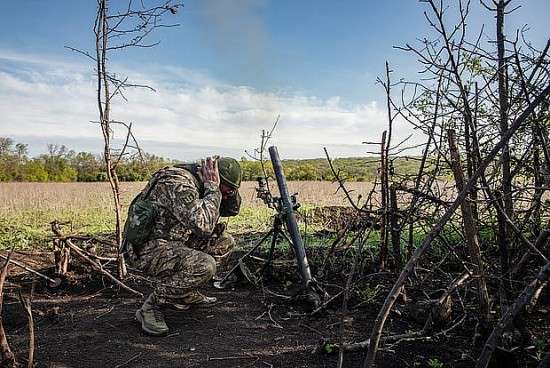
x=96, y=265
x=6, y=355
x=26, y=304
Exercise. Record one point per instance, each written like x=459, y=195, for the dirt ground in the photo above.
x=88, y=323
x=96, y=328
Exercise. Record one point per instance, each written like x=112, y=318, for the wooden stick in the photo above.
x=129, y=360
x=536, y=296
x=395, y=231
x=447, y=294
x=384, y=203
x=394, y=339
x=470, y=229
x=99, y=268
x=26, y=303
x=27, y=268
x=6, y=355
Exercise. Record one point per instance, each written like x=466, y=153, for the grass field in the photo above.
x=26, y=209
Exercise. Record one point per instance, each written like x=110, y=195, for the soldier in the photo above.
x=172, y=234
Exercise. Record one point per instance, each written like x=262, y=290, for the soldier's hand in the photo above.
x=210, y=171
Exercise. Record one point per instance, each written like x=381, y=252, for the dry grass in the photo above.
x=316, y=193
x=17, y=197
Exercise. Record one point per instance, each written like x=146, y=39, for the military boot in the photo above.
x=191, y=299
x=197, y=298
x=151, y=318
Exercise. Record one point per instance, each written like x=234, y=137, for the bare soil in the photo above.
x=88, y=323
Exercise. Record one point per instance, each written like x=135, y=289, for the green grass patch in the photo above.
x=30, y=229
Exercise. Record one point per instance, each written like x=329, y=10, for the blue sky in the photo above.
x=229, y=69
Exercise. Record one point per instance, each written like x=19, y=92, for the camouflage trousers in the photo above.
x=177, y=270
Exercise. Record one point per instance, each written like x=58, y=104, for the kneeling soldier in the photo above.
x=172, y=234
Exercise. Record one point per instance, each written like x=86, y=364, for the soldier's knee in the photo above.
x=198, y=269
x=209, y=266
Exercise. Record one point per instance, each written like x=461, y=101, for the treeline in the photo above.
x=61, y=164
x=350, y=168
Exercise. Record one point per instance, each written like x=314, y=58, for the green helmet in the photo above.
x=230, y=171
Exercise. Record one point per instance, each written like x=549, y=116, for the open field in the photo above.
x=26, y=209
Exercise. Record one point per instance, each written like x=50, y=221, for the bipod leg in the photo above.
x=276, y=231
x=286, y=237
x=219, y=284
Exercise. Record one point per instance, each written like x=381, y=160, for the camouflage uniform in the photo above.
x=185, y=242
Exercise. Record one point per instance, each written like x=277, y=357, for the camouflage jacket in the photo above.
x=187, y=209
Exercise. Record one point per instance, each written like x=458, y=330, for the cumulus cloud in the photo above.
x=189, y=110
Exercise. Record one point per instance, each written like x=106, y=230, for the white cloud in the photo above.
x=52, y=99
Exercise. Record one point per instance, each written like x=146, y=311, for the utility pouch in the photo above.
x=139, y=224
x=141, y=218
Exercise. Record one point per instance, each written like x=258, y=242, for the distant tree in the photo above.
x=302, y=172
x=86, y=165
x=6, y=146
x=21, y=150
x=251, y=169
x=57, y=163
x=34, y=171
x=10, y=159
x=63, y=164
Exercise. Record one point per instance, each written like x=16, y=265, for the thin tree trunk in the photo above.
x=503, y=121
x=470, y=166
x=410, y=244
x=470, y=230
x=537, y=166
x=104, y=106
x=384, y=173
x=395, y=230
x=505, y=285
x=384, y=201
